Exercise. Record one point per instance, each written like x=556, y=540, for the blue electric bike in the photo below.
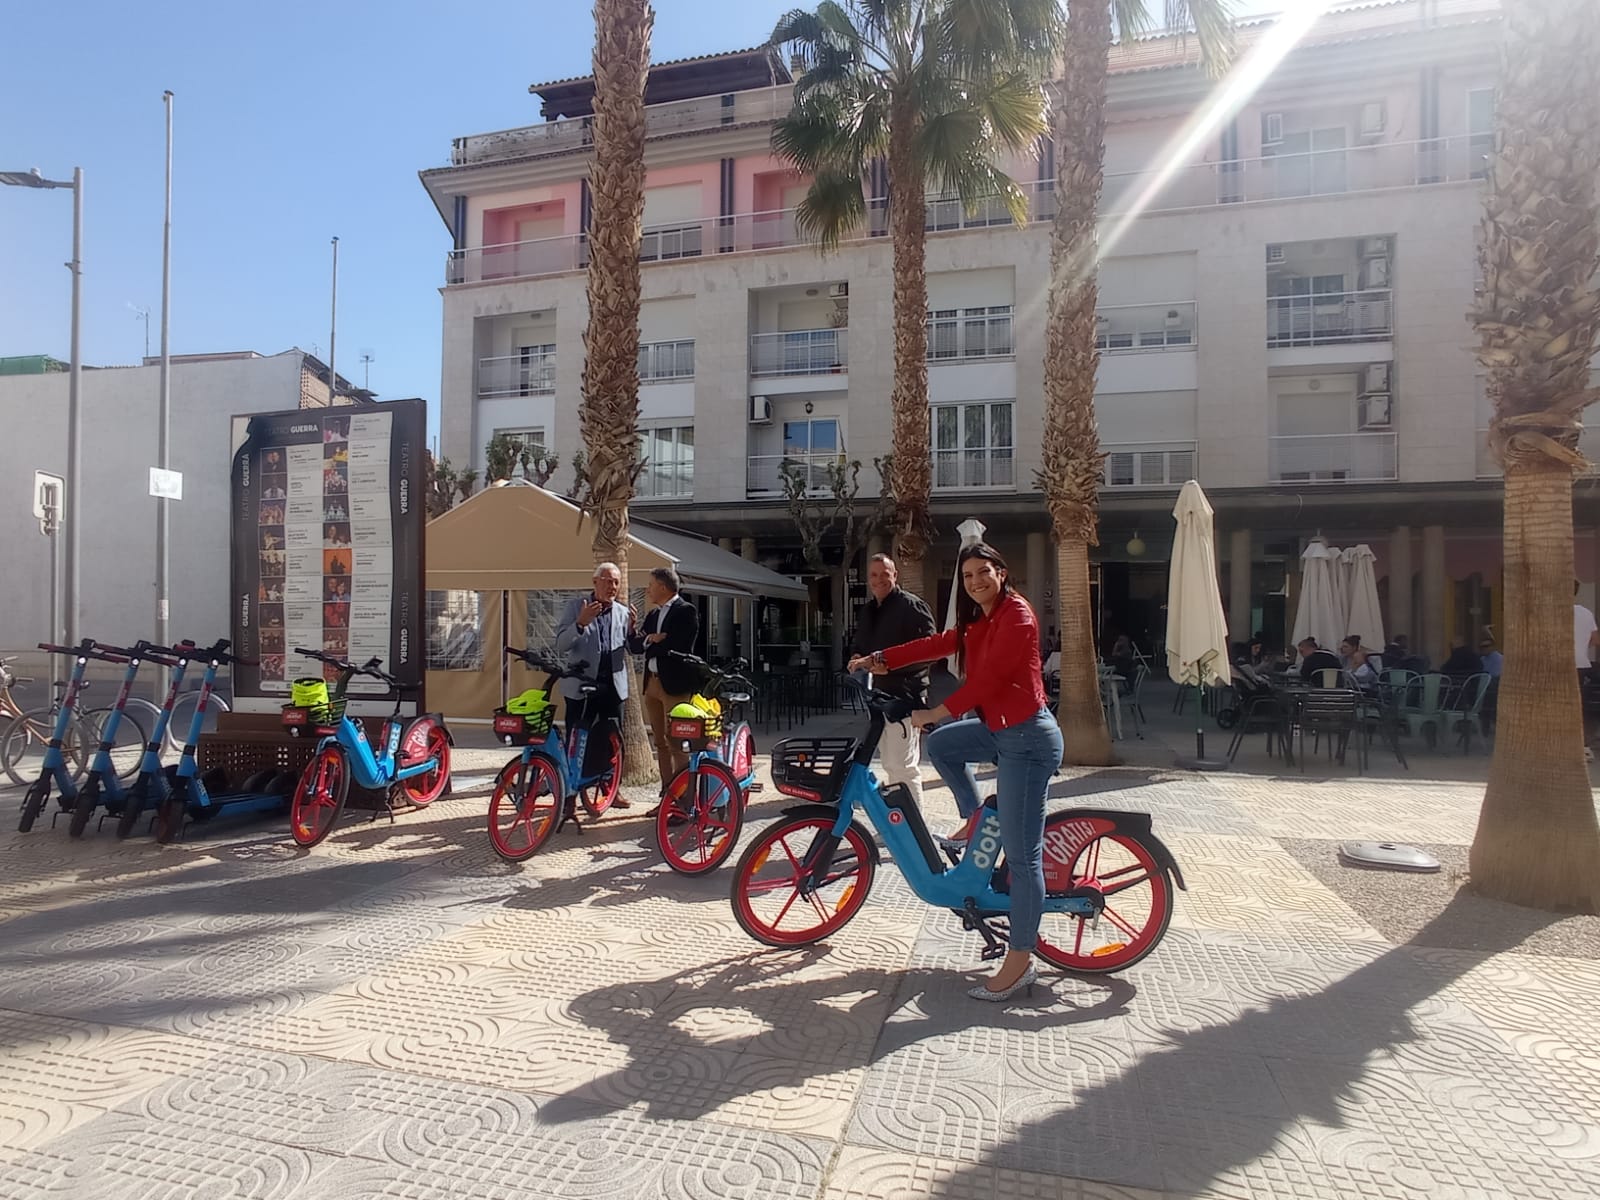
x=537, y=791
x=1108, y=879
x=413, y=764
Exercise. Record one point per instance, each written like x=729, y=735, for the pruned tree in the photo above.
x=835, y=514
x=505, y=457
x=444, y=487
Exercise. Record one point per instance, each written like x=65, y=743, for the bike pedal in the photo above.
x=757, y=787
x=990, y=953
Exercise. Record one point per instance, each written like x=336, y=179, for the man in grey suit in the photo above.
x=595, y=629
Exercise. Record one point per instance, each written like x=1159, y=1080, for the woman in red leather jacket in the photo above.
x=996, y=643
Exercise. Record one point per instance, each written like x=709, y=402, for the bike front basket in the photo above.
x=528, y=727
x=806, y=768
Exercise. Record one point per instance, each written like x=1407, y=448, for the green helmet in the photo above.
x=532, y=701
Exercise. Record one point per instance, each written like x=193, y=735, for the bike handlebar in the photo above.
x=731, y=678
x=890, y=708
x=216, y=652
x=546, y=661
x=372, y=668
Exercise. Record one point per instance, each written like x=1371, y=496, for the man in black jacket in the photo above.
x=1314, y=658
x=888, y=619
x=671, y=625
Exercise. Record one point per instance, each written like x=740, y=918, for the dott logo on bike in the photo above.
x=986, y=845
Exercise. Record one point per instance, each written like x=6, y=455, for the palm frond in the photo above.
x=817, y=135
x=986, y=36
x=1014, y=108
x=1212, y=22
x=833, y=209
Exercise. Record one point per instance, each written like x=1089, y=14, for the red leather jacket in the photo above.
x=1003, y=680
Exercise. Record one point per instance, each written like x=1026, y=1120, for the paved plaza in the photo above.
x=398, y=1014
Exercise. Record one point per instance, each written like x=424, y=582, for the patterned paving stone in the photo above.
x=863, y=1174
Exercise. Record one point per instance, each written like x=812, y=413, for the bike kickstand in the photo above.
x=569, y=814
x=993, y=947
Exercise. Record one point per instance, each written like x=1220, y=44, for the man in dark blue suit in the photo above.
x=595, y=629
x=671, y=625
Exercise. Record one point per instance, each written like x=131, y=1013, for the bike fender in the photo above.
x=830, y=812
x=1164, y=858
x=1134, y=824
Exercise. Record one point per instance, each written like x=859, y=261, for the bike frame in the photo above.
x=373, y=770
x=568, y=766
x=952, y=888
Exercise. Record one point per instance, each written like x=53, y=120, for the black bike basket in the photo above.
x=802, y=767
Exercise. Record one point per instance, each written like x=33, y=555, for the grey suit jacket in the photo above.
x=584, y=644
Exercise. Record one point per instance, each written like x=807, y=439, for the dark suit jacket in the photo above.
x=682, y=626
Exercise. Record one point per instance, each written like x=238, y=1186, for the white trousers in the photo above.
x=900, y=750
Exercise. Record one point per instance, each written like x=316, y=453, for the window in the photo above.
x=1480, y=130
x=455, y=631
x=666, y=360
x=813, y=445
x=536, y=370
x=960, y=333
x=974, y=445
x=669, y=462
x=1310, y=163
x=520, y=438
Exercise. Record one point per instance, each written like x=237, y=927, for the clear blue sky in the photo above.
x=293, y=122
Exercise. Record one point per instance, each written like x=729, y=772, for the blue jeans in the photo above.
x=1026, y=755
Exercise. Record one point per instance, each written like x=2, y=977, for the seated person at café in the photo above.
x=1314, y=658
x=1347, y=652
x=1461, y=663
x=1361, y=669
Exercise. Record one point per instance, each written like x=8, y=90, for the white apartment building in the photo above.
x=1282, y=317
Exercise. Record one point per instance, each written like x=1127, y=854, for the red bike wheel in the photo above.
x=319, y=797
x=525, y=808
x=422, y=790
x=598, y=797
x=698, y=822
x=1138, y=906
x=769, y=901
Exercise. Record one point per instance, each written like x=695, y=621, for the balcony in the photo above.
x=990, y=469
x=1123, y=328
x=1131, y=466
x=661, y=362
x=1354, y=169
x=764, y=473
x=976, y=334
x=1335, y=458
x=516, y=375
x=1331, y=319
x=799, y=352
x=660, y=120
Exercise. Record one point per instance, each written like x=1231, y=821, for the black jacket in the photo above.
x=678, y=678
x=1318, y=660
x=901, y=617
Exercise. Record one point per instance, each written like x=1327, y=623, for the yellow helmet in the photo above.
x=532, y=701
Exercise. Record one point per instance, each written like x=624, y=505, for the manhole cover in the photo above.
x=1387, y=856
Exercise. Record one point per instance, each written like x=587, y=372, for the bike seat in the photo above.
x=588, y=689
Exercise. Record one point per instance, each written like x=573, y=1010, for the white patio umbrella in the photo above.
x=1197, y=635
x=971, y=531
x=1319, y=613
x=1363, y=618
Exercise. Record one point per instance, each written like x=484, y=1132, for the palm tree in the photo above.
x=609, y=414
x=942, y=90
x=1537, y=314
x=1071, y=463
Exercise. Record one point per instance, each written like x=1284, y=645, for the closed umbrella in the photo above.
x=971, y=531
x=1319, y=614
x=1197, y=635
x=1363, y=619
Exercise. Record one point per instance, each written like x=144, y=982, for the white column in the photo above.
x=1400, y=572
x=1434, y=581
x=747, y=608
x=726, y=643
x=1240, y=558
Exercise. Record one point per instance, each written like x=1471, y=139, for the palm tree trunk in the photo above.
x=911, y=463
x=1071, y=464
x=609, y=416
x=1537, y=842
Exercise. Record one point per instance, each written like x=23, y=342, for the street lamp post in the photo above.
x=73, y=498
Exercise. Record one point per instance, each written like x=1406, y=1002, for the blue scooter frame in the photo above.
x=103, y=769
x=54, y=769
x=151, y=788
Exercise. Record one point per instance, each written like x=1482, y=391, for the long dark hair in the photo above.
x=969, y=610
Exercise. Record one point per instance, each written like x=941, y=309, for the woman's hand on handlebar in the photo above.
x=868, y=662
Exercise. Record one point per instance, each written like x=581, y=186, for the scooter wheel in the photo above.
x=82, y=810
x=33, y=804
x=169, y=819
x=133, y=805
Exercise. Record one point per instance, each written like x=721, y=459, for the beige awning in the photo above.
x=520, y=538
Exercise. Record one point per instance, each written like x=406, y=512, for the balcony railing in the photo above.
x=764, y=472
x=660, y=120
x=1131, y=465
x=982, y=469
x=957, y=339
x=1379, y=167
x=799, y=352
x=1165, y=326
x=516, y=375
x=1330, y=319
x=660, y=361
x=1335, y=458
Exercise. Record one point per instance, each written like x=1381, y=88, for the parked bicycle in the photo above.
x=56, y=767
x=537, y=792
x=702, y=807
x=413, y=761
x=25, y=733
x=1108, y=879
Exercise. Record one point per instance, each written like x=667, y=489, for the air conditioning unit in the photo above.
x=1374, y=118
x=839, y=291
x=1275, y=254
x=1375, y=378
x=1272, y=129
x=1375, y=411
x=760, y=410
x=1375, y=273
x=1375, y=247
